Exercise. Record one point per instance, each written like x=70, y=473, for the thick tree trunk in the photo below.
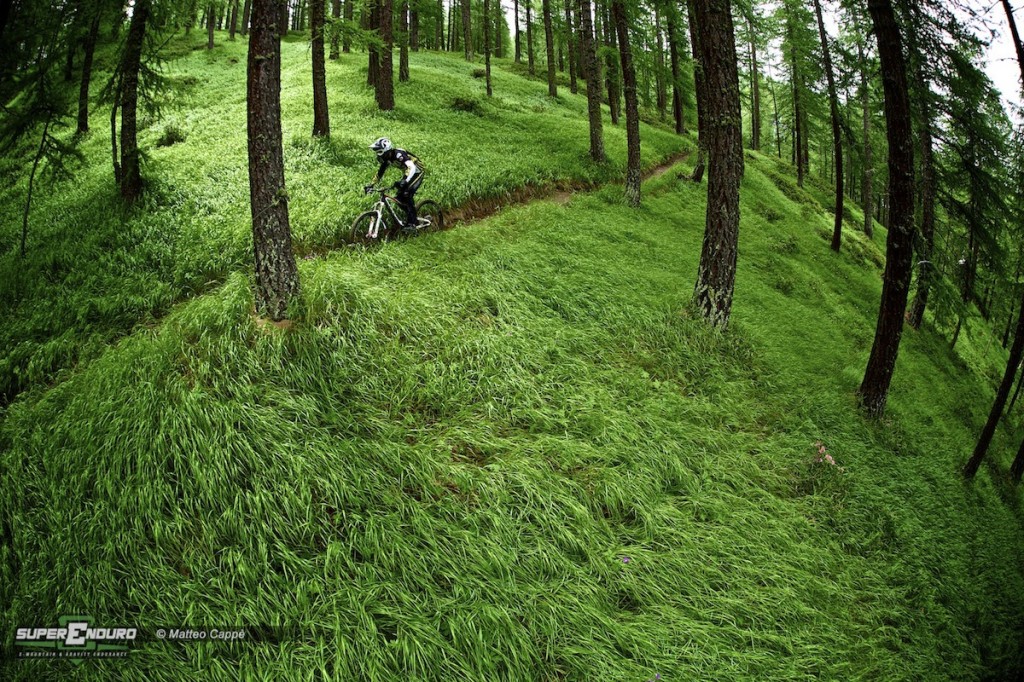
x=837, y=135
x=89, y=47
x=335, y=36
x=277, y=278
x=571, y=47
x=467, y=33
x=321, y=116
x=1003, y=392
x=874, y=389
x=549, y=39
x=131, y=177
x=385, y=75
x=403, y=50
x=487, y=47
x=700, y=83
x=716, y=275
x=590, y=73
x=285, y=16
x=632, y=109
x=673, y=52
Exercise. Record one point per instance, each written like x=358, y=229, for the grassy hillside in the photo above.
x=508, y=451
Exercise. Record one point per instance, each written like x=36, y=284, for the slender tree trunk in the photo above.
x=31, y=183
x=518, y=41
x=869, y=170
x=403, y=50
x=590, y=73
x=414, y=30
x=277, y=278
x=837, y=136
x=700, y=83
x=775, y=113
x=660, y=91
x=632, y=110
x=797, y=115
x=1016, y=391
x=348, y=12
x=131, y=177
x=716, y=275
x=321, y=116
x=499, y=50
x=673, y=52
x=549, y=39
x=612, y=71
x=209, y=27
x=487, y=46
x=1016, y=353
x=373, y=51
x=874, y=390
x=467, y=33
x=234, y=20
x=335, y=36
x=755, y=92
x=1017, y=468
x=115, y=107
x=439, y=26
x=246, y=11
x=385, y=75
x=570, y=42
x=529, y=36
x=89, y=47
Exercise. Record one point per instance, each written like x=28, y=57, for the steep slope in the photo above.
x=509, y=452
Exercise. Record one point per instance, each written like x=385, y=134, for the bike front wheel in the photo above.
x=367, y=230
x=430, y=213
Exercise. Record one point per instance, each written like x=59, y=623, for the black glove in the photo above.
x=367, y=189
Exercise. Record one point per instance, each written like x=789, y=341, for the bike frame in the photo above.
x=389, y=202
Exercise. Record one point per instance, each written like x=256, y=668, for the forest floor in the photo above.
x=510, y=452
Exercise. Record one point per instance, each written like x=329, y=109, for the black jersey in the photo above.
x=399, y=158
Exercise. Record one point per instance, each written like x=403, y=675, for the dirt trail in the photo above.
x=560, y=193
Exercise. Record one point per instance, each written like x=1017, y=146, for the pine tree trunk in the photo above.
x=89, y=47
x=529, y=36
x=775, y=113
x=1017, y=468
x=467, y=33
x=700, y=84
x=989, y=430
x=335, y=36
x=874, y=389
x=611, y=41
x=414, y=30
x=348, y=12
x=716, y=275
x=385, y=89
x=277, y=278
x=837, y=138
x=590, y=73
x=755, y=93
x=131, y=177
x=439, y=26
x=632, y=110
x=209, y=27
x=496, y=29
x=31, y=183
x=518, y=41
x=487, y=47
x=549, y=39
x=246, y=11
x=572, y=52
x=372, y=11
x=660, y=91
x=673, y=53
x=234, y=20
x=283, y=24
x=321, y=116
x=869, y=171
x=403, y=50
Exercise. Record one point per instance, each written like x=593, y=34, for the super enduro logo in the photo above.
x=75, y=637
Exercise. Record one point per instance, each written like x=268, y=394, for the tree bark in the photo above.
x=234, y=20
x=467, y=33
x=487, y=47
x=837, y=136
x=874, y=389
x=518, y=41
x=414, y=29
x=716, y=275
x=989, y=430
x=209, y=27
x=549, y=39
x=755, y=92
x=590, y=73
x=673, y=52
x=869, y=171
x=246, y=11
x=131, y=177
x=529, y=36
x=612, y=80
x=385, y=75
x=632, y=109
x=321, y=116
x=89, y=48
x=277, y=278
x=403, y=50
x=349, y=12
x=335, y=36
x=798, y=144
x=439, y=26
x=570, y=46
x=700, y=83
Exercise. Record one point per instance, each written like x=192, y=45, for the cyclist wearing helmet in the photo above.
x=389, y=155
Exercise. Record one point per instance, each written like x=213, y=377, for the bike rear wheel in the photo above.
x=360, y=232
x=430, y=211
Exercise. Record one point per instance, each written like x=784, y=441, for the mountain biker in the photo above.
x=389, y=155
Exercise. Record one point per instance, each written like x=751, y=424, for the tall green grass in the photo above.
x=510, y=452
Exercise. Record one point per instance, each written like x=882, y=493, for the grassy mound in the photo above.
x=508, y=452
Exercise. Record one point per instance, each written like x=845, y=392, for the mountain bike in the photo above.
x=386, y=219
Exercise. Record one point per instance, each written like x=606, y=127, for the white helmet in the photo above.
x=382, y=145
